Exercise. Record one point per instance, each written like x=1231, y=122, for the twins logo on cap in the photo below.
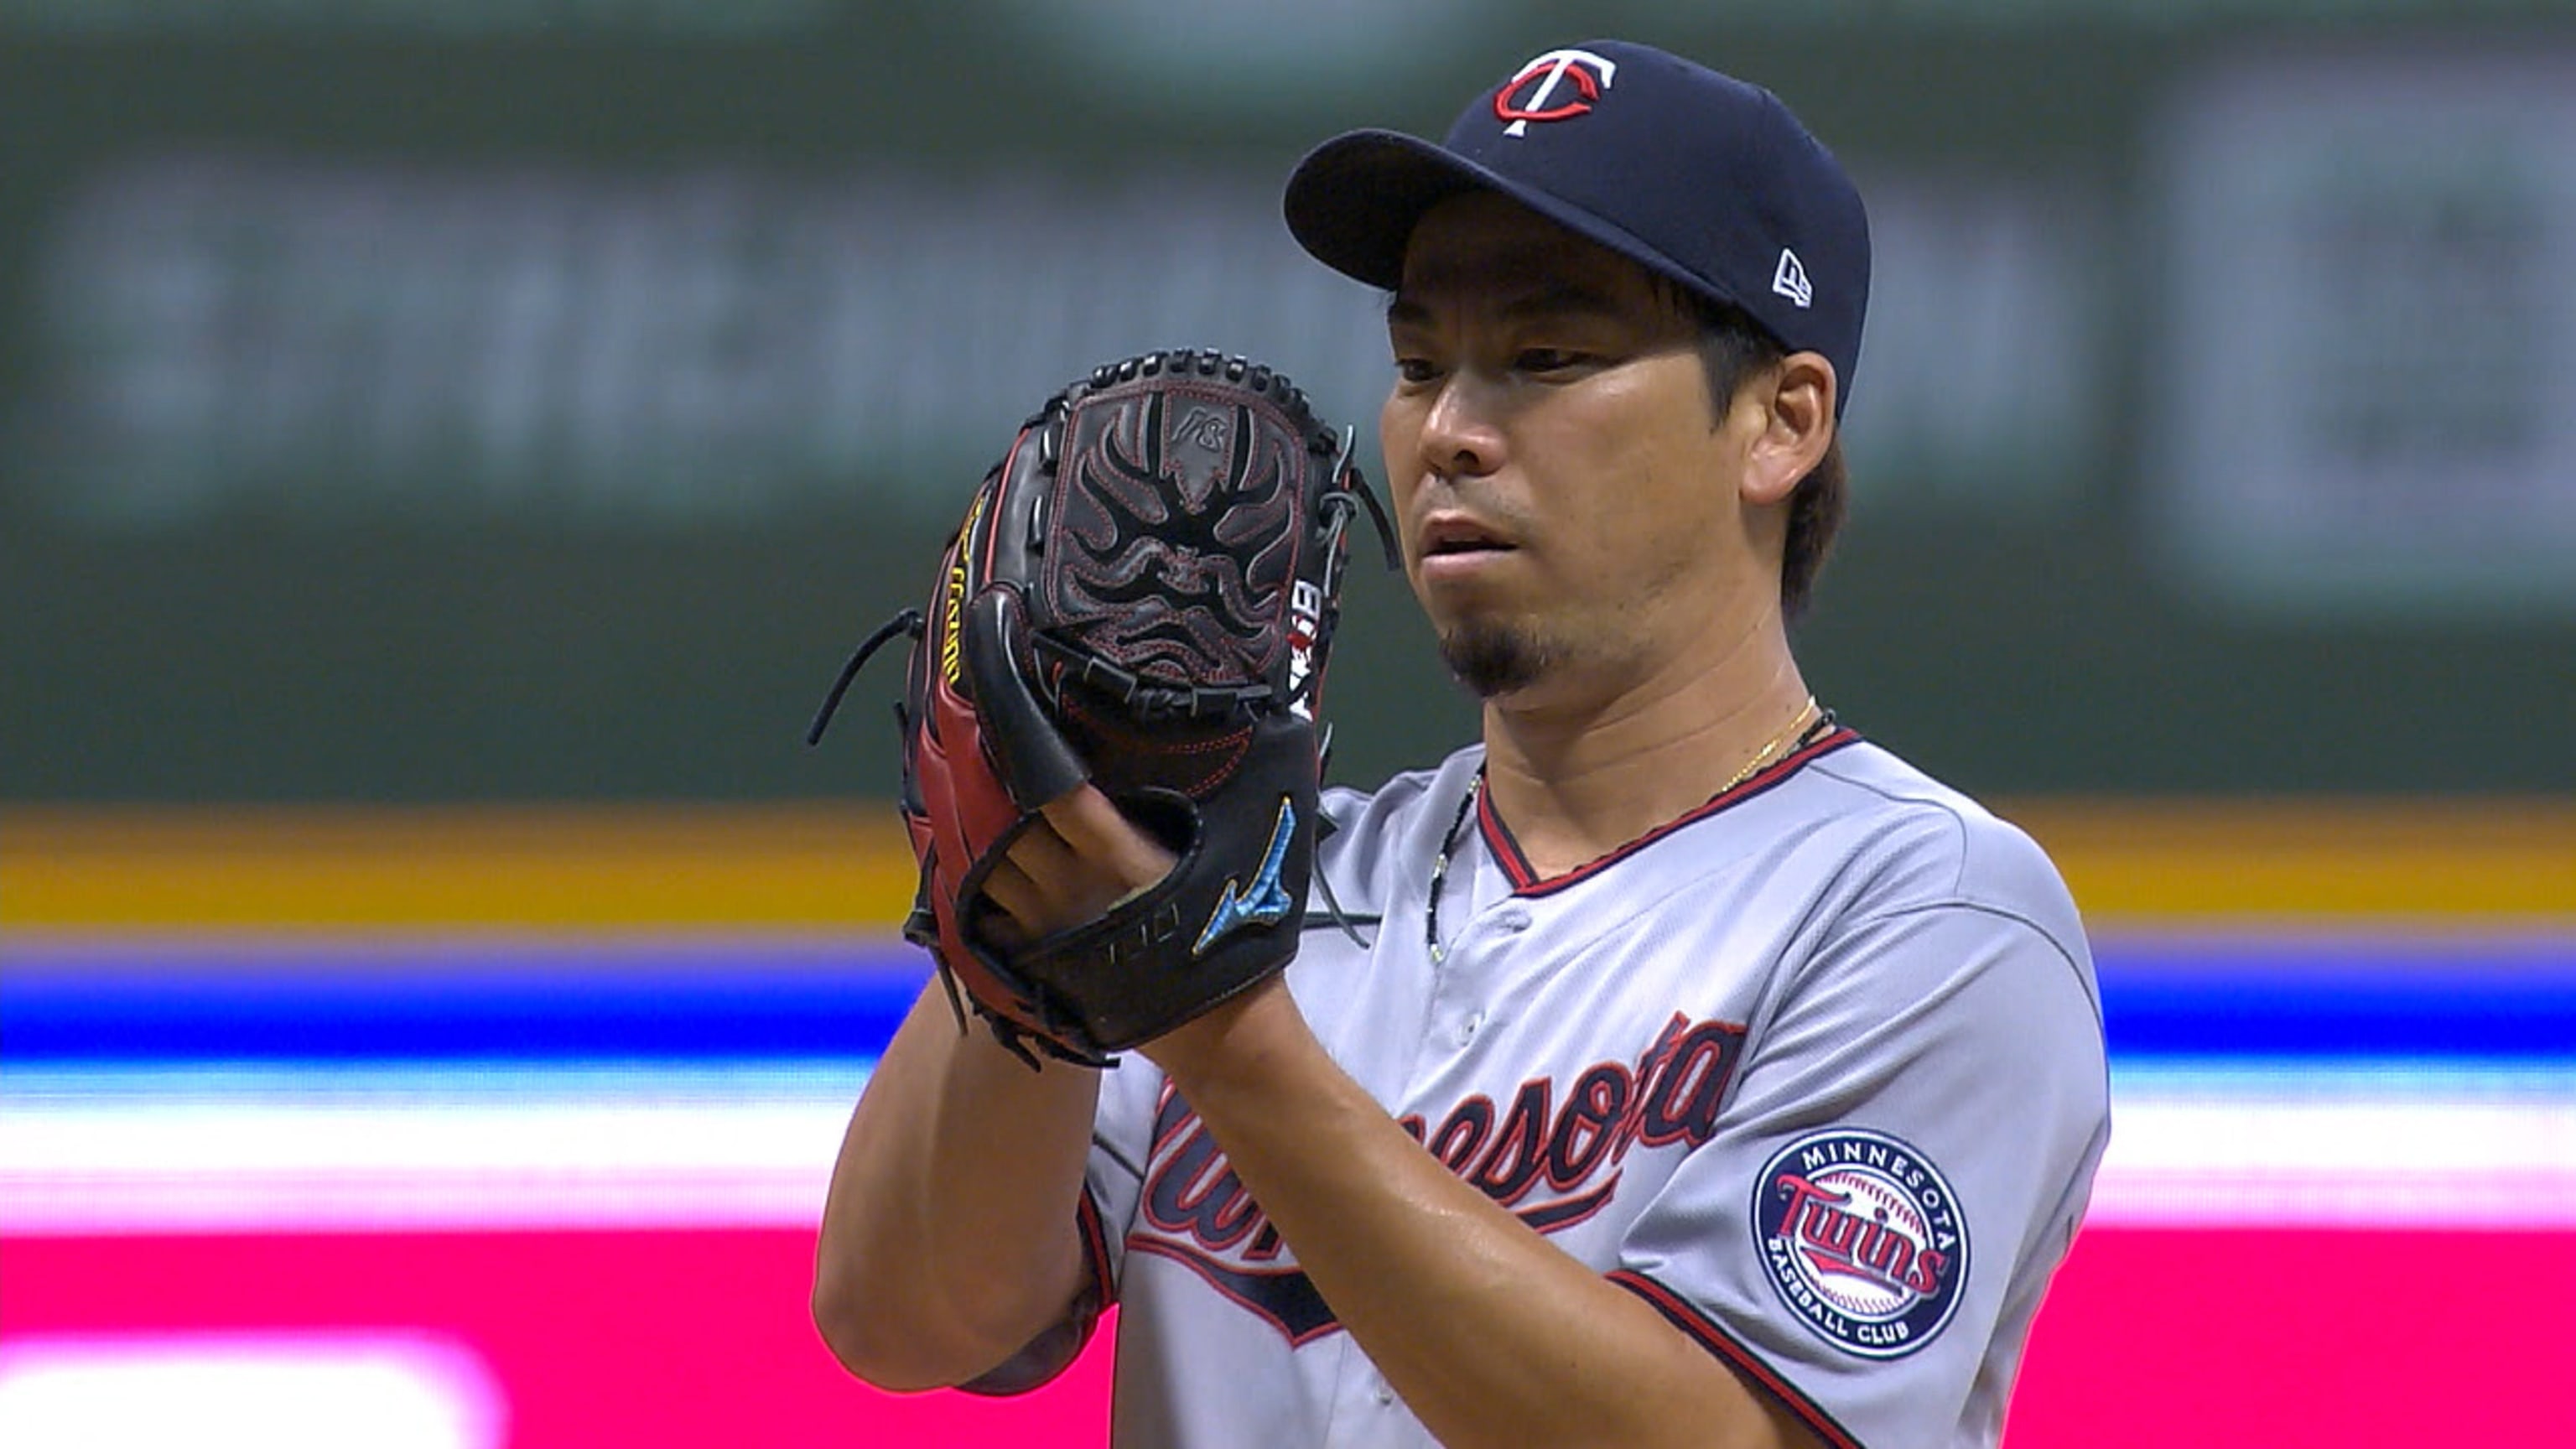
x=1863, y=1240
x=1588, y=74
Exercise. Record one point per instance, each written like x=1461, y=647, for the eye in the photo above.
x=1415, y=370
x=1546, y=359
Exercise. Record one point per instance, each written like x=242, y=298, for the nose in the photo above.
x=1461, y=436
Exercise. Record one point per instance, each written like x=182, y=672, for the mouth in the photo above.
x=1458, y=536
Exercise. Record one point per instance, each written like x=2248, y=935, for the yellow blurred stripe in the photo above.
x=639, y=866
x=833, y=866
x=2497, y=861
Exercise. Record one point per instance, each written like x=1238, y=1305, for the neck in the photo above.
x=1582, y=774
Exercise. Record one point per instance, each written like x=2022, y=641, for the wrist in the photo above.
x=1238, y=1042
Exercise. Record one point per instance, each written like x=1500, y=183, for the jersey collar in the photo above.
x=1527, y=880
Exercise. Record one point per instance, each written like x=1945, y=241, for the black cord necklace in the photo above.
x=1794, y=738
x=1440, y=868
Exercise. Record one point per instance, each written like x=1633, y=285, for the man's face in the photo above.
x=1566, y=500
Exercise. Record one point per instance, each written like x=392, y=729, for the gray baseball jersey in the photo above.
x=1816, y=1070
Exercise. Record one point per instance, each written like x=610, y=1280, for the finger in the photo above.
x=1019, y=898
x=1093, y=826
x=1086, y=820
x=1045, y=858
x=1043, y=886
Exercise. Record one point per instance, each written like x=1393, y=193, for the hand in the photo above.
x=1079, y=860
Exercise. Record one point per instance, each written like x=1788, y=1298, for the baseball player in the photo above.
x=1683, y=1067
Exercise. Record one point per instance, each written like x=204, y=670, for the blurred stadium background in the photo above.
x=446, y=446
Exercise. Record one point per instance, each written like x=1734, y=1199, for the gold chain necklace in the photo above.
x=1796, y=730
x=1799, y=727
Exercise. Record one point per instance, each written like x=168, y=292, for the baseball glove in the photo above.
x=1142, y=596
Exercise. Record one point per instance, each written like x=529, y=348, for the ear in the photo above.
x=1797, y=402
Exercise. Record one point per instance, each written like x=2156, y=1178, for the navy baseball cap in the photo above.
x=1700, y=177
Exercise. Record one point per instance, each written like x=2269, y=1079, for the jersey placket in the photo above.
x=1466, y=986
x=1457, y=1012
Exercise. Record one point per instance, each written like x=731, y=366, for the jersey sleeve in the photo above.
x=1122, y=1128
x=1122, y=1137
x=1866, y=1232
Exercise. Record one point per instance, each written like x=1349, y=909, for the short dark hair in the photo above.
x=1733, y=347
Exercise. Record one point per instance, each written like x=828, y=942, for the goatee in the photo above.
x=1491, y=660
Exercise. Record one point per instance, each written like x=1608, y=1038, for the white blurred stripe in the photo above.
x=235, y=1154
x=2389, y=1146
x=247, y=1391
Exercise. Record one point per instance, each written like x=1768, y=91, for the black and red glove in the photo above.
x=1142, y=597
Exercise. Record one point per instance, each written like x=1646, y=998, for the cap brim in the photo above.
x=1354, y=201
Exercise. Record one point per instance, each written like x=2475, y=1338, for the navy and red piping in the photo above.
x=1704, y=1331
x=1526, y=879
x=1095, y=1248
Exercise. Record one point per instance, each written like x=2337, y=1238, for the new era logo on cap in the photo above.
x=1789, y=279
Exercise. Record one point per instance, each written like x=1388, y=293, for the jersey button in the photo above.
x=1467, y=1028
x=1514, y=921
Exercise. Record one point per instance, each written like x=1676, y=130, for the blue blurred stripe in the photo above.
x=589, y=1002
x=2512, y=997
x=2286, y=997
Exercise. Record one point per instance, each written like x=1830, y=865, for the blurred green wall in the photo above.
x=418, y=401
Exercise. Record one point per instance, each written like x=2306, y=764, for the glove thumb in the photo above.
x=1033, y=758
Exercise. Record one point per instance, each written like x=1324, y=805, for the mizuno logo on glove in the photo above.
x=1266, y=903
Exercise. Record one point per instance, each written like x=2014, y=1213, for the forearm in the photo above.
x=948, y=1237
x=1490, y=1333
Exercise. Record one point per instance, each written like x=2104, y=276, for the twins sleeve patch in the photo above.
x=1862, y=1239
